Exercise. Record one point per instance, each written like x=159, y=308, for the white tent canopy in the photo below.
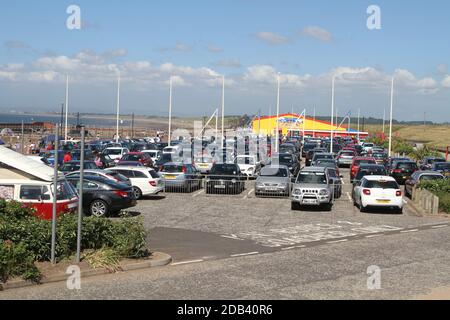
x=24, y=164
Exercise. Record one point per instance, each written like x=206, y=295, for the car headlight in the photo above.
x=323, y=192
x=259, y=184
x=233, y=180
x=297, y=192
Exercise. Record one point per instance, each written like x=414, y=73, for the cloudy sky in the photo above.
x=247, y=41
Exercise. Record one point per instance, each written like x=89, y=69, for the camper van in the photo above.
x=31, y=183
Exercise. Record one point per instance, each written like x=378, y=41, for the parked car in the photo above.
x=112, y=175
x=103, y=197
x=321, y=156
x=75, y=166
x=380, y=158
x=357, y=161
x=141, y=157
x=154, y=154
x=378, y=191
x=179, y=175
x=307, y=147
x=115, y=153
x=248, y=165
x=313, y=187
x=441, y=167
x=402, y=171
x=368, y=170
x=274, y=181
x=288, y=160
x=428, y=162
x=145, y=181
x=76, y=154
x=203, y=163
x=392, y=161
x=225, y=177
x=345, y=157
x=310, y=155
x=420, y=176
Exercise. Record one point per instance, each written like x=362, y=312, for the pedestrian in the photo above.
x=67, y=157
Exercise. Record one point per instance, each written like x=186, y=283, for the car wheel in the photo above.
x=399, y=211
x=137, y=193
x=99, y=208
x=328, y=207
x=295, y=206
x=362, y=208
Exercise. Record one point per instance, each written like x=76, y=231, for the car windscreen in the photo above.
x=348, y=154
x=203, y=160
x=114, y=152
x=320, y=156
x=274, y=172
x=227, y=169
x=312, y=177
x=442, y=166
x=381, y=184
x=430, y=177
x=284, y=159
x=370, y=172
x=131, y=157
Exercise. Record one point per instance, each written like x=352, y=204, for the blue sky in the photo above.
x=248, y=41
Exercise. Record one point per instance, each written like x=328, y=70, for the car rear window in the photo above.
x=230, y=169
x=381, y=184
x=348, y=153
x=359, y=162
x=131, y=157
x=406, y=165
x=370, y=172
x=429, y=177
x=274, y=172
x=172, y=168
x=153, y=174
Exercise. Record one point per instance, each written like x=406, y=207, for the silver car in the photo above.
x=345, y=158
x=313, y=187
x=274, y=181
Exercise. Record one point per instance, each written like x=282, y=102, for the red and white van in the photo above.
x=31, y=183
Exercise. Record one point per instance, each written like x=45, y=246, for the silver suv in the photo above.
x=313, y=187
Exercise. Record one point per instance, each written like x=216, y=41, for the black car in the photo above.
x=369, y=170
x=226, y=178
x=104, y=197
x=310, y=155
x=428, y=162
x=307, y=147
x=71, y=166
x=288, y=160
x=402, y=170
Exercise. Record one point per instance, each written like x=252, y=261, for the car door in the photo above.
x=357, y=190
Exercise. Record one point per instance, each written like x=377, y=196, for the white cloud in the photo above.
x=265, y=74
x=446, y=82
x=271, y=38
x=317, y=33
x=228, y=63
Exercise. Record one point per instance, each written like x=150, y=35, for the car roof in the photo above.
x=378, y=178
x=314, y=169
x=371, y=166
x=131, y=168
x=428, y=172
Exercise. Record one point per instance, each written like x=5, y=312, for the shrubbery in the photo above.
x=25, y=238
x=440, y=188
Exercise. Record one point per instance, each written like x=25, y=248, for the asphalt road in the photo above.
x=242, y=247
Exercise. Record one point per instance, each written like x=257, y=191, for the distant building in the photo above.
x=292, y=124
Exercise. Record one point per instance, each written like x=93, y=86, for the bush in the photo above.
x=440, y=188
x=126, y=236
x=16, y=261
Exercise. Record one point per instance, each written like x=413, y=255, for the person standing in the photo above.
x=67, y=157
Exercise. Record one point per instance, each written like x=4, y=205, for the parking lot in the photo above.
x=196, y=227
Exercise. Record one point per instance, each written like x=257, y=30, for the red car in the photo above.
x=357, y=161
x=143, y=158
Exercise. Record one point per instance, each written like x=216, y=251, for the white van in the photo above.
x=29, y=182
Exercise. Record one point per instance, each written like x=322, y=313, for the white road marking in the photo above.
x=291, y=248
x=337, y=241
x=250, y=192
x=405, y=202
x=232, y=236
x=244, y=254
x=349, y=197
x=440, y=226
x=187, y=262
x=407, y=231
x=374, y=235
x=198, y=193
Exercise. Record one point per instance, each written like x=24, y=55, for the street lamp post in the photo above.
x=118, y=109
x=170, y=112
x=277, y=134
x=390, y=120
x=223, y=111
x=332, y=113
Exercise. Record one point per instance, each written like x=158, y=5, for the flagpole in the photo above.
x=277, y=134
x=390, y=121
x=67, y=108
x=118, y=109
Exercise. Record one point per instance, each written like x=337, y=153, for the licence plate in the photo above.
x=219, y=186
x=310, y=201
x=383, y=201
x=272, y=189
x=203, y=165
x=170, y=177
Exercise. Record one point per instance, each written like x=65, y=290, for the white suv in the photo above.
x=378, y=191
x=145, y=181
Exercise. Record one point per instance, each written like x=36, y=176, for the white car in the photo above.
x=145, y=181
x=248, y=165
x=107, y=174
x=115, y=153
x=378, y=192
x=154, y=154
x=173, y=150
x=203, y=163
